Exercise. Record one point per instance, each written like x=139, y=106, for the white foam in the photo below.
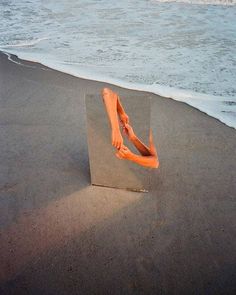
x=200, y=2
x=18, y=62
x=145, y=45
x=214, y=106
x=24, y=43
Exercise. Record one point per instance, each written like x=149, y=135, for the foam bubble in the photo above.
x=186, y=52
x=200, y=2
x=221, y=108
x=24, y=43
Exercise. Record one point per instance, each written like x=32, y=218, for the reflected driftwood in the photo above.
x=116, y=113
x=110, y=148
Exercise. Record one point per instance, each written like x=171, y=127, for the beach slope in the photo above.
x=60, y=235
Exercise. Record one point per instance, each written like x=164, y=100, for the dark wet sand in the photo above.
x=59, y=235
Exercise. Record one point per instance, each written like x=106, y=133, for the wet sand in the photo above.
x=60, y=235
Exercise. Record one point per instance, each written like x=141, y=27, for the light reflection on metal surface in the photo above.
x=107, y=168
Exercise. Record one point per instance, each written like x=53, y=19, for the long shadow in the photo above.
x=141, y=249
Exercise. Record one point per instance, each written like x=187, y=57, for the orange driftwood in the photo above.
x=148, y=155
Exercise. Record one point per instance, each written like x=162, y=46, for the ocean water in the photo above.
x=185, y=50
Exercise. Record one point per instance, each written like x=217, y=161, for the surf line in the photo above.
x=9, y=57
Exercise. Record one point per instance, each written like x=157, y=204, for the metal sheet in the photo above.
x=105, y=168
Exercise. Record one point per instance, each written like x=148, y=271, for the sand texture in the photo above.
x=60, y=235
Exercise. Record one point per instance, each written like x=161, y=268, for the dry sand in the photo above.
x=59, y=235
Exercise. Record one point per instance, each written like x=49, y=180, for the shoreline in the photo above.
x=61, y=235
x=187, y=97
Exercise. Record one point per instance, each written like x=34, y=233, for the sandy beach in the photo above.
x=60, y=235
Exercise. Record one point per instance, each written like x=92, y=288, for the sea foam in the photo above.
x=178, y=50
x=221, y=108
x=201, y=2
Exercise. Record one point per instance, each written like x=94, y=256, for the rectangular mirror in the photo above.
x=105, y=167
